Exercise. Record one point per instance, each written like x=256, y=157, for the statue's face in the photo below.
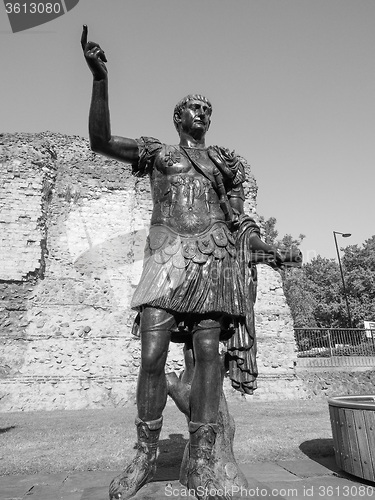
x=195, y=118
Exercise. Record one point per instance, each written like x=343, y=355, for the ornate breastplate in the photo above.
x=184, y=199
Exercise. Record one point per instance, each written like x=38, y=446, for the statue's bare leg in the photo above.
x=224, y=470
x=205, y=396
x=151, y=400
x=206, y=384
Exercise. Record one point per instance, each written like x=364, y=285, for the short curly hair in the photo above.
x=181, y=105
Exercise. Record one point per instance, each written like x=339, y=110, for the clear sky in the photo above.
x=292, y=83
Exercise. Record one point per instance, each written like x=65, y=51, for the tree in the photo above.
x=324, y=281
x=315, y=292
x=299, y=297
x=270, y=234
x=269, y=230
x=359, y=273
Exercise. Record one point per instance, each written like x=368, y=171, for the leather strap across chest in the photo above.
x=216, y=179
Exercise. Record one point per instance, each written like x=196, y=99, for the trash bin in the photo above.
x=353, y=431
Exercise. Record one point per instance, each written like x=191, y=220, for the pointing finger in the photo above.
x=84, y=36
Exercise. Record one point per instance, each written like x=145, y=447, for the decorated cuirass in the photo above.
x=185, y=197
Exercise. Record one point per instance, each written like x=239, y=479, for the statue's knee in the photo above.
x=151, y=363
x=207, y=357
x=206, y=349
x=153, y=357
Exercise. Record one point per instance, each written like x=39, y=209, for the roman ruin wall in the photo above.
x=73, y=227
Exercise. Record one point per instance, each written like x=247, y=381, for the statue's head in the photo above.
x=194, y=103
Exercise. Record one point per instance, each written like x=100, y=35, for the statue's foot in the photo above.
x=140, y=471
x=207, y=485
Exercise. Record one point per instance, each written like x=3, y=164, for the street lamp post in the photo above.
x=344, y=235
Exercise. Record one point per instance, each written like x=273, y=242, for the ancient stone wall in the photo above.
x=73, y=227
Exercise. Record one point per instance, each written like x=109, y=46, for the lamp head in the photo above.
x=344, y=235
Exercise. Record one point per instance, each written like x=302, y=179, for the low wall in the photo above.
x=349, y=363
x=331, y=383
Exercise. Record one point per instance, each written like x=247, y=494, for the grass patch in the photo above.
x=50, y=442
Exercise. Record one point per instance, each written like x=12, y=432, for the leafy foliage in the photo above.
x=270, y=235
x=315, y=292
x=359, y=270
x=270, y=232
x=324, y=280
x=300, y=298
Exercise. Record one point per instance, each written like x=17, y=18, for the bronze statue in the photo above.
x=197, y=285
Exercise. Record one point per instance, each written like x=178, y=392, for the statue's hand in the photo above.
x=94, y=56
x=279, y=258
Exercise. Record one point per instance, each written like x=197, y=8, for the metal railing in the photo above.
x=328, y=342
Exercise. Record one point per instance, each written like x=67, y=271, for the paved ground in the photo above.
x=293, y=479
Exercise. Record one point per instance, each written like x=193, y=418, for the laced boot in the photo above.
x=143, y=466
x=202, y=474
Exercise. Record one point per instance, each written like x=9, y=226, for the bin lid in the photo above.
x=360, y=402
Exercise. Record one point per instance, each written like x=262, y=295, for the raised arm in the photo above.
x=101, y=140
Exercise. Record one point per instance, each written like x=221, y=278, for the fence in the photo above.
x=328, y=342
